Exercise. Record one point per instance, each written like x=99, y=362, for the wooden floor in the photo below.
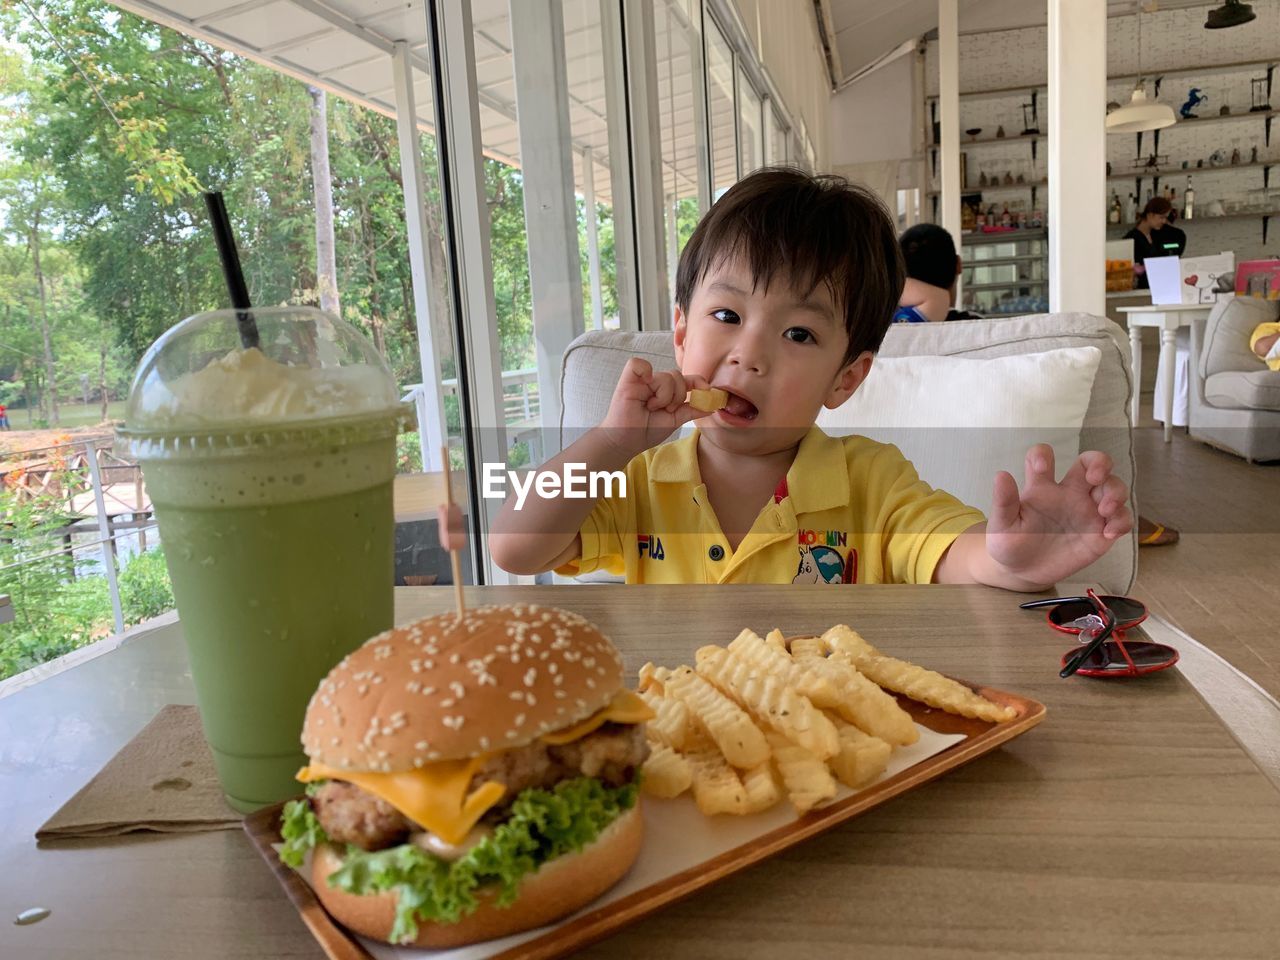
x=1221, y=582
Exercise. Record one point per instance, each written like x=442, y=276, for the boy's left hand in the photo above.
x=1050, y=530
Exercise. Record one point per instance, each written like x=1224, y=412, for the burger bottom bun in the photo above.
x=557, y=889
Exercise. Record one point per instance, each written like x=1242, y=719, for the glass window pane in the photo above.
x=588, y=118
x=775, y=138
x=724, y=145
x=678, y=40
x=750, y=133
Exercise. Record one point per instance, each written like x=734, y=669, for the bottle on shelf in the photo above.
x=1114, y=212
x=1131, y=209
x=1189, y=201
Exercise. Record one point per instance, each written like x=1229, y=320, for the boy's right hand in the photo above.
x=648, y=407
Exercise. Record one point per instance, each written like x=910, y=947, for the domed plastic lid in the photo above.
x=198, y=386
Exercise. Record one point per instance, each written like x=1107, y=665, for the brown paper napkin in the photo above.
x=163, y=781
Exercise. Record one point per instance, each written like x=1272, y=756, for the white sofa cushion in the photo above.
x=960, y=420
x=1258, y=390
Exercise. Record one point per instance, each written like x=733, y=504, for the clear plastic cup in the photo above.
x=271, y=474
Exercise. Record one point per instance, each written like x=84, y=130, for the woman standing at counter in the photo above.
x=1154, y=217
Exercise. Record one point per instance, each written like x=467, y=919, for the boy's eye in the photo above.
x=726, y=316
x=800, y=335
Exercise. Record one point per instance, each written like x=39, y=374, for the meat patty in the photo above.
x=612, y=753
x=351, y=815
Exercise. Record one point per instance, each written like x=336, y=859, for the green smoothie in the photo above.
x=272, y=484
x=273, y=591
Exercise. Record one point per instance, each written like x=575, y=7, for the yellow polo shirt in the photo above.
x=850, y=510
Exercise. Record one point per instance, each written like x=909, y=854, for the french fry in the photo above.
x=761, y=787
x=767, y=697
x=820, y=691
x=666, y=773
x=733, y=731
x=716, y=785
x=861, y=702
x=670, y=724
x=912, y=680
x=708, y=400
x=861, y=758
x=647, y=680
x=807, y=779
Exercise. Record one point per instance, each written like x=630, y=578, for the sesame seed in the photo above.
x=553, y=668
x=433, y=754
x=335, y=741
x=519, y=720
x=362, y=689
x=421, y=745
x=378, y=678
x=530, y=676
x=511, y=734
x=454, y=658
x=419, y=763
x=428, y=691
x=558, y=679
x=528, y=698
x=413, y=686
x=560, y=694
x=447, y=702
x=457, y=688
x=484, y=743
x=454, y=723
x=516, y=694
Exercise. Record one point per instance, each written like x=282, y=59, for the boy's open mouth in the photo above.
x=739, y=407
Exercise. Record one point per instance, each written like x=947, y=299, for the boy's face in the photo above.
x=778, y=354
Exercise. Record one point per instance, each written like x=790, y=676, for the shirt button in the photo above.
x=716, y=552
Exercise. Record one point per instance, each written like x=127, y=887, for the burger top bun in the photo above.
x=439, y=689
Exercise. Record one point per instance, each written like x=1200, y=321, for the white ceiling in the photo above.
x=345, y=47
x=867, y=29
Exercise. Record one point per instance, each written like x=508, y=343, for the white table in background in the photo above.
x=1167, y=318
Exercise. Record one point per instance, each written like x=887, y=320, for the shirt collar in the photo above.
x=819, y=475
x=818, y=478
x=677, y=461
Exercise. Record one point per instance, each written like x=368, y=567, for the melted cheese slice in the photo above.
x=625, y=707
x=435, y=796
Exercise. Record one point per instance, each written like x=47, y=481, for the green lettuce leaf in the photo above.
x=543, y=825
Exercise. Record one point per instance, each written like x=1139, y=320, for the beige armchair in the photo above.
x=1235, y=399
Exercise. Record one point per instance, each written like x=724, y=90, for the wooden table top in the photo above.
x=1129, y=823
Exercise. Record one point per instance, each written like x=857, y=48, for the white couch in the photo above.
x=1235, y=399
x=593, y=363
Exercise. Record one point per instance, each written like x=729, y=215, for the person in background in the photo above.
x=1169, y=240
x=1265, y=342
x=1153, y=218
x=4, y=417
x=933, y=267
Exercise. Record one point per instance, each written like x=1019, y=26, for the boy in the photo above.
x=932, y=265
x=785, y=291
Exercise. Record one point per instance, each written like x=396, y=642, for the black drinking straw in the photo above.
x=231, y=269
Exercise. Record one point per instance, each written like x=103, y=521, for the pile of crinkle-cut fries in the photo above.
x=808, y=712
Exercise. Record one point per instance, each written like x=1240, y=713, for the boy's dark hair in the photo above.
x=808, y=230
x=930, y=255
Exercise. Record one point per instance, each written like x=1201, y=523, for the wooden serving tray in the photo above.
x=595, y=923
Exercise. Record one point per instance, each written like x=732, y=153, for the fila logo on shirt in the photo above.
x=650, y=546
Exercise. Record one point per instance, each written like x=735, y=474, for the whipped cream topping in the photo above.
x=248, y=387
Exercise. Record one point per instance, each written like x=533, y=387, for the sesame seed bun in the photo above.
x=557, y=889
x=439, y=689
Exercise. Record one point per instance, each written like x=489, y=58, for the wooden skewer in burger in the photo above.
x=470, y=775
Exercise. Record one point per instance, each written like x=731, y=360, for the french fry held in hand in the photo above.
x=912, y=680
x=708, y=400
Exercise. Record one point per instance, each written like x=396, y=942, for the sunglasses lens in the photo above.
x=1126, y=610
x=1065, y=614
x=1145, y=656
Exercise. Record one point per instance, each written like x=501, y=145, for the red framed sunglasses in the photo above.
x=1100, y=623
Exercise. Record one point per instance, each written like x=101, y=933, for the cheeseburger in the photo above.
x=469, y=777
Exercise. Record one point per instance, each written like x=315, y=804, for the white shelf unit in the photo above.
x=1005, y=272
